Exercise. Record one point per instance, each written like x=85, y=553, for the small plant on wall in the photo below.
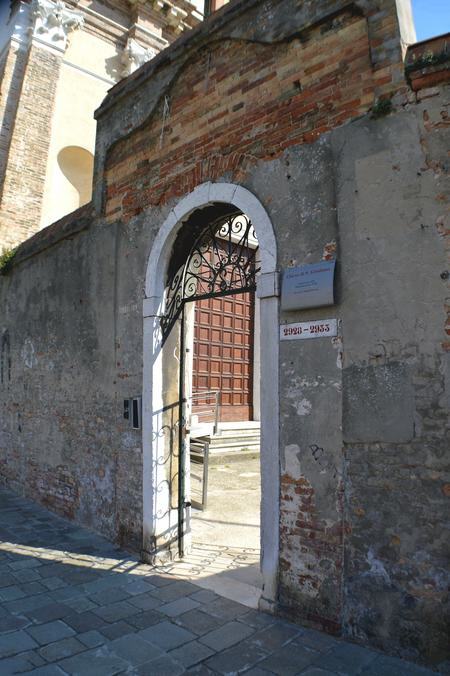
x=6, y=258
x=380, y=108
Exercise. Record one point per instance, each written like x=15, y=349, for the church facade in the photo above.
x=57, y=62
x=317, y=127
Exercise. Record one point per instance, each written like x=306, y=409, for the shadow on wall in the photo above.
x=77, y=165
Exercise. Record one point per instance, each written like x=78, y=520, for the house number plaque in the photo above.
x=320, y=328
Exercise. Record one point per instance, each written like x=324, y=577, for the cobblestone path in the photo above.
x=73, y=603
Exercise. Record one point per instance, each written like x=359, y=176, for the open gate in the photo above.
x=221, y=262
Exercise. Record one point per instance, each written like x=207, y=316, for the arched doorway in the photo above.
x=163, y=387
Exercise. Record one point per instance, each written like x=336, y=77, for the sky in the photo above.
x=432, y=17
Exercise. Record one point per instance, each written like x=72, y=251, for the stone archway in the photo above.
x=153, y=526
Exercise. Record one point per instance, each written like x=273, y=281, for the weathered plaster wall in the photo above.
x=364, y=492
x=63, y=437
x=395, y=377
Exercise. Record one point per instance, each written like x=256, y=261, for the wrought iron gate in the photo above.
x=221, y=262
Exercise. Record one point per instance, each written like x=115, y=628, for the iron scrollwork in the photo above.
x=221, y=262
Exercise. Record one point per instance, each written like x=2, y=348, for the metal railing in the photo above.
x=200, y=457
x=207, y=407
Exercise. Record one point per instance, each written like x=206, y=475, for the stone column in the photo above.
x=32, y=65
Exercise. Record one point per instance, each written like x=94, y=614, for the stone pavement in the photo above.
x=73, y=603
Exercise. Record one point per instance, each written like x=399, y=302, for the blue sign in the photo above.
x=308, y=286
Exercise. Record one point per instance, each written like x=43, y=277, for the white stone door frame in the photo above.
x=153, y=309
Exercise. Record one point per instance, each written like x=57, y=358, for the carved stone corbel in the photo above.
x=134, y=56
x=53, y=22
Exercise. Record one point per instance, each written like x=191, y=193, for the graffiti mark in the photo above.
x=325, y=465
x=5, y=358
x=29, y=354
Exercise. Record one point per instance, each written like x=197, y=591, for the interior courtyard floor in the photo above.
x=225, y=550
x=73, y=603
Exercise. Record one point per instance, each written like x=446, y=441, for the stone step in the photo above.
x=233, y=444
x=225, y=434
x=216, y=442
x=233, y=438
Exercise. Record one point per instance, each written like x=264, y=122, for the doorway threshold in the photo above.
x=232, y=572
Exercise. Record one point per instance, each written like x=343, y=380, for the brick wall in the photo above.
x=11, y=76
x=241, y=102
x=29, y=87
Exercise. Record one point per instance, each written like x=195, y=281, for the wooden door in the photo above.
x=223, y=353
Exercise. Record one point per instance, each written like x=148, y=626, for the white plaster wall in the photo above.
x=87, y=72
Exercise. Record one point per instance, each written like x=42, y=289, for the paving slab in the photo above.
x=115, y=611
x=227, y=635
x=198, y=622
x=12, y=623
x=50, y=632
x=389, y=666
x=14, y=665
x=52, y=611
x=135, y=650
x=33, y=657
x=204, y=596
x=275, y=636
x=225, y=609
x=6, y=579
x=97, y=662
x=117, y=630
x=53, y=582
x=309, y=638
x=178, y=607
x=316, y=671
x=146, y=619
x=139, y=587
x=191, y=653
x=237, y=659
x=91, y=639
x=24, y=605
x=86, y=607
x=11, y=593
x=166, y=635
x=81, y=622
x=174, y=591
x=107, y=596
x=81, y=604
x=48, y=670
x=162, y=666
x=145, y=601
x=289, y=660
x=60, y=649
x=346, y=658
x=16, y=642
